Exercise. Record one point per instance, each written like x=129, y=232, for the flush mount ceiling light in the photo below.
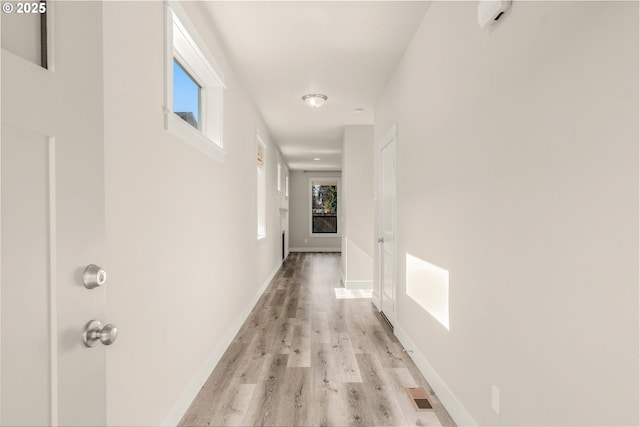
x=314, y=100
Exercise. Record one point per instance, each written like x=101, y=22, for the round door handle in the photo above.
x=94, y=276
x=94, y=332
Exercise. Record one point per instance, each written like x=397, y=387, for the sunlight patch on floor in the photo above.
x=342, y=293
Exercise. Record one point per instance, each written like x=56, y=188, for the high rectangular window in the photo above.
x=286, y=186
x=194, y=85
x=261, y=188
x=279, y=179
x=186, y=95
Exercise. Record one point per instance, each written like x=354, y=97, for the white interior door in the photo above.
x=387, y=218
x=52, y=220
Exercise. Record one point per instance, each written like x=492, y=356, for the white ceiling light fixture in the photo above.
x=314, y=100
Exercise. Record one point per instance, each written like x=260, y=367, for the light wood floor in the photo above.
x=304, y=358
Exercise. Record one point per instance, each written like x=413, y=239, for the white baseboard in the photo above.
x=446, y=396
x=315, y=249
x=178, y=410
x=358, y=284
x=375, y=299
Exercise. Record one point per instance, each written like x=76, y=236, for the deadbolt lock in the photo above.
x=94, y=276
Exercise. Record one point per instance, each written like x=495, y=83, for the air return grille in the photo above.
x=419, y=398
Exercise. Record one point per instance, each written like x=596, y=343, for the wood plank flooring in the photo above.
x=305, y=358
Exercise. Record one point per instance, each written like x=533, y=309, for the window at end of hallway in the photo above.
x=323, y=209
x=194, y=86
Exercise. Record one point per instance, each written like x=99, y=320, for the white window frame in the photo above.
x=261, y=191
x=339, y=207
x=183, y=43
x=286, y=186
x=279, y=179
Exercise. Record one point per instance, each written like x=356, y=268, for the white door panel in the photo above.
x=52, y=226
x=387, y=242
x=25, y=333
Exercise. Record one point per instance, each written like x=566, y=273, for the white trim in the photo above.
x=358, y=284
x=193, y=137
x=375, y=299
x=315, y=250
x=1, y=50
x=183, y=17
x=179, y=408
x=446, y=396
x=391, y=134
x=53, y=284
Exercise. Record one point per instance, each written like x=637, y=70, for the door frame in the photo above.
x=389, y=138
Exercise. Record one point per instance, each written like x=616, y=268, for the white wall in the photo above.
x=518, y=172
x=300, y=239
x=357, y=204
x=184, y=264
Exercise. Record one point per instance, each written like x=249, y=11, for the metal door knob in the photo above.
x=381, y=240
x=94, y=276
x=94, y=332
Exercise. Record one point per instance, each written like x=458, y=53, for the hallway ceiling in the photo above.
x=346, y=50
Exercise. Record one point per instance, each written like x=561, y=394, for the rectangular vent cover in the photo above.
x=419, y=398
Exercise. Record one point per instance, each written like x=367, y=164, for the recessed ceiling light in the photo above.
x=316, y=158
x=314, y=100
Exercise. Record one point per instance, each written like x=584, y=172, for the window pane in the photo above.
x=186, y=96
x=324, y=208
